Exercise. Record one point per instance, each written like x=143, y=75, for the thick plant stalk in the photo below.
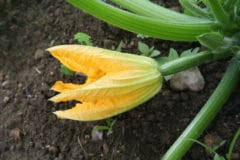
x=153, y=27
x=149, y=9
x=229, y=4
x=189, y=61
x=206, y=114
x=219, y=12
x=194, y=9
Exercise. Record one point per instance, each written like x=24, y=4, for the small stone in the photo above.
x=190, y=79
x=15, y=133
x=44, y=87
x=20, y=85
x=97, y=135
x=132, y=43
x=5, y=83
x=105, y=148
x=109, y=43
x=52, y=149
x=6, y=99
x=39, y=54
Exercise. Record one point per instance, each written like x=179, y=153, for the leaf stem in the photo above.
x=219, y=12
x=206, y=114
x=228, y=4
x=194, y=9
x=188, y=62
x=233, y=142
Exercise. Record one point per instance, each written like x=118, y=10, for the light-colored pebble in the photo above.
x=39, y=54
x=97, y=135
x=190, y=79
x=6, y=99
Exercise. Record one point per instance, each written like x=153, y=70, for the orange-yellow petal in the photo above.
x=105, y=108
x=112, y=85
x=95, y=62
x=59, y=86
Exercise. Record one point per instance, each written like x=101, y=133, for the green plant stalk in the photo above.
x=153, y=27
x=149, y=9
x=207, y=113
x=229, y=4
x=218, y=12
x=233, y=142
x=194, y=9
x=189, y=61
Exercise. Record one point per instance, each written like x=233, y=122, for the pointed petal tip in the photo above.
x=52, y=99
x=54, y=48
x=59, y=114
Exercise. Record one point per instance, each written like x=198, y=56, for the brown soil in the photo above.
x=29, y=130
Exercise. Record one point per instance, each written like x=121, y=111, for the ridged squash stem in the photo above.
x=194, y=9
x=228, y=4
x=219, y=13
x=207, y=113
x=189, y=61
x=168, y=30
x=149, y=9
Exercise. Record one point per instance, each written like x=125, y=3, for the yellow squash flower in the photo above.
x=116, y=82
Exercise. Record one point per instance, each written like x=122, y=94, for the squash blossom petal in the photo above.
x=116, y=82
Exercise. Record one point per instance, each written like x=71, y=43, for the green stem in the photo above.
x=219, y=13
x=206, y=114
x=188, y=62
x=228, y=4
x=233, y=142
x=149, y=9
x=168, y=30
x=194, y=9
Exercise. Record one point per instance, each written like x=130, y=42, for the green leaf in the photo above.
x=108, y=127
x=155, y=53
x=83, y=38
x=151, y=49
x=100, y=128
x=172, y=55
x=190, y=52
x=168, y=77
x=143, y=48
x=158, y=28
x=218, y=157
x=211, y=40
x=66, y=71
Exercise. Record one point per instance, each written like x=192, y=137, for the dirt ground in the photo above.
x=29, y=130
